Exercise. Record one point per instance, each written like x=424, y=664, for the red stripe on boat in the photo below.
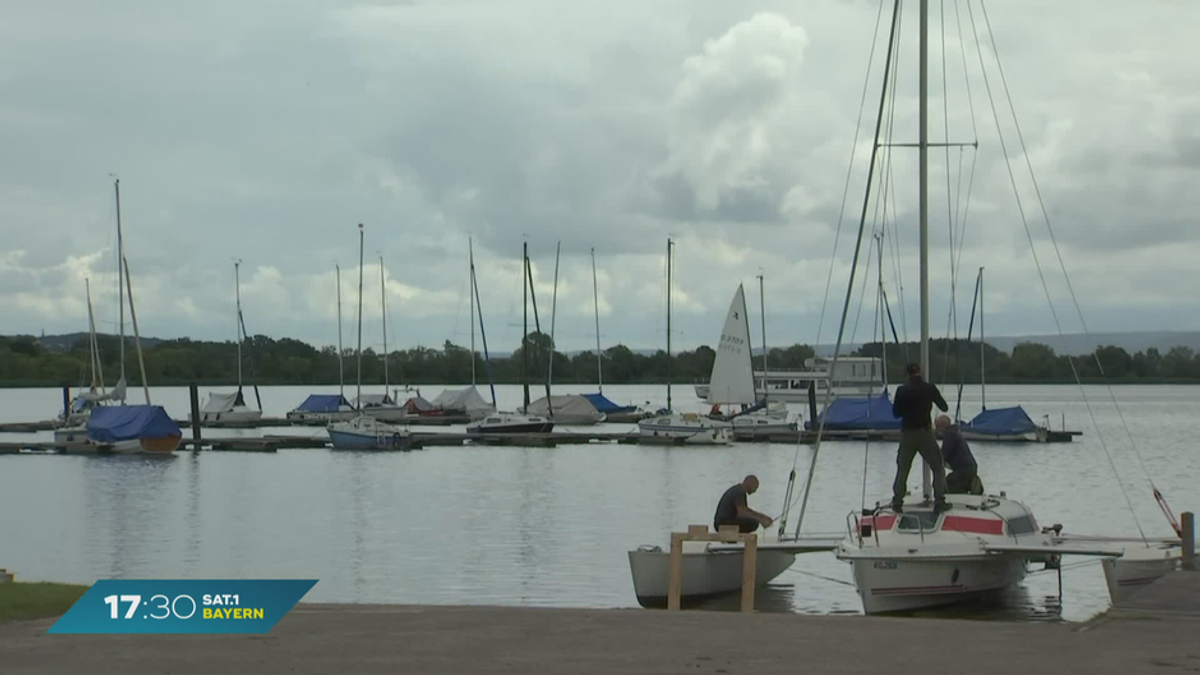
x=974, y=525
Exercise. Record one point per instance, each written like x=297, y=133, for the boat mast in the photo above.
x=471, y=301
x=553, y=316
x=596, y=305
x=487, y=359
x=982, y=344
x=762, y=311
x=358, y=386
x=120, y=275
x=537, y=327
x=525, y=321
x=923, y=199
x=882, y=316
x=93, y=345
x=341, y=371
x=383, y=305
x=137, y=337
x=669, y=246
x=237, y=292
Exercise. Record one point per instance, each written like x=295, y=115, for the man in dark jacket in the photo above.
x=733, y=510
x=964, y=471
x=913, y=403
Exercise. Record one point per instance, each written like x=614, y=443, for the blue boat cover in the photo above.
x=1002, y=422
x=323, y=403
x=112, y=423
x=859, y=412
x=601, y=403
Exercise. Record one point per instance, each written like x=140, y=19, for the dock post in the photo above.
x=727, y=534
x=675, y=584
x=66, y=400
x=812, y=401
x=194, y=394
x=1188, y=525
x=749, y=572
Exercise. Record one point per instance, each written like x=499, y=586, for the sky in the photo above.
x=267, y=131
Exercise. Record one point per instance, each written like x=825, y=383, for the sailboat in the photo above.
x=325, y=408
x=468, y=401
x=503, y=422
x=231, y=409
x=382, y=406
x=364, y=432
x=613, y=412
x=71, y=424
x=687, y=428
x=131, y=429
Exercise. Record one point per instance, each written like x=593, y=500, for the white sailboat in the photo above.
x=363, y=431
x=231, y=409
x=71, y=424
x=382, y=406
x=325, y=408
x=468, y=401
x=669, y=426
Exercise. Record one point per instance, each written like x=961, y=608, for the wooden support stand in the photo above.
x=728, y=534
x=1187, y=522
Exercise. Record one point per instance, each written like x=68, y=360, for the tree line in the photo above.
x=24, y=362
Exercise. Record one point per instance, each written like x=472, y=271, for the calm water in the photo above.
x=539, y=526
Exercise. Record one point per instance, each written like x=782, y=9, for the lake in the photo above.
x=551, y=526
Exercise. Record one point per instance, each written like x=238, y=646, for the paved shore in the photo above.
x=354, y=639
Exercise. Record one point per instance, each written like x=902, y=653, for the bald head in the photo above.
x=942, y=422
x=750, y=484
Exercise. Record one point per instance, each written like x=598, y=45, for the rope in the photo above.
x=821, y=576
x=1033, y=250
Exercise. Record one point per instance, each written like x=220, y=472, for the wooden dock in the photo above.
x=422, y=421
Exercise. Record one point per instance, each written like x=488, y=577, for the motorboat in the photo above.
x=684, y=428
x=511, y=423
x=368, y=433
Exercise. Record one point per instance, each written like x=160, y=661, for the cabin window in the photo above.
x=1022, y=525
x=924, y=521
x=493, y=420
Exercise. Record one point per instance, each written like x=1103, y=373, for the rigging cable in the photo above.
x=1033, y=250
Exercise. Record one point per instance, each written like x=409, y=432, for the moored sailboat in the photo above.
x=231, y=409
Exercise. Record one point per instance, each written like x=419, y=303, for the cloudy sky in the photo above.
x=266, y=131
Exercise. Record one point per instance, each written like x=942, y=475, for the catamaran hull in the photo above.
x=902, y=585
x=703, y=573
x=1140, y=566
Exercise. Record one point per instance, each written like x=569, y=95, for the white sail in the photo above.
x=732, y=380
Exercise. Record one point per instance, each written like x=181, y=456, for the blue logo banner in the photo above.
x=183, y=606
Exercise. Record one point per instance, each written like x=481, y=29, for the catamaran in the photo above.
x=668, y=426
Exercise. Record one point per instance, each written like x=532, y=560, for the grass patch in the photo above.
x=21, y=601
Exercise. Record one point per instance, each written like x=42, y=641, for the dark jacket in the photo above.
x=956, y=452
x=914, y=401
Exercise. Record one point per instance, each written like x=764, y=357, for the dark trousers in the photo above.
x=962, y=483
x=912, y=442
x=745, y=525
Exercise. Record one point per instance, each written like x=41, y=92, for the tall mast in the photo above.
x=525, y=321
x=882, y=315
x=341, y=371
x=487, y=359
x=923, y=199
x=358, y=386
x=762, y=311
x=553, y=316
x=982, y=344
x=237, y=292
x=669, y=245
x=596, y=305
x=383, y=305
x=93, y=346
x=120, y=275
x=137, y=337
x=471, y=301
x=537, y=327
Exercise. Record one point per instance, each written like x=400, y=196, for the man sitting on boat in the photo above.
x=732, y=509
x=913, y=403
x=964, y=471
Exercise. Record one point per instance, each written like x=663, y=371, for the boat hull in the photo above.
x=353, y=441
x=901, y=585
x=703, y=573
x=164, y=446
x=1139, y=567
x=231, y=417
x=692, y=433
x=528, y=428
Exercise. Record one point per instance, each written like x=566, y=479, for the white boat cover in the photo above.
x=461, y=399
x=567, y=409
x=219, y=403
x=732, y=379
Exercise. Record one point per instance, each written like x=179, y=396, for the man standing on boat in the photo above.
x=914, y=402
x=964, y=471
x=732, y=509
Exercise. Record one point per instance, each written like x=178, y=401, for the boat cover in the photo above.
x=601, y=403
x=467, y=400
x=859, y=412
x=374, y=400
x=1002, y=422
x=219, y=403
x=111, y=423
x=571, y=408
x=418, y=404
x=318, y=403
